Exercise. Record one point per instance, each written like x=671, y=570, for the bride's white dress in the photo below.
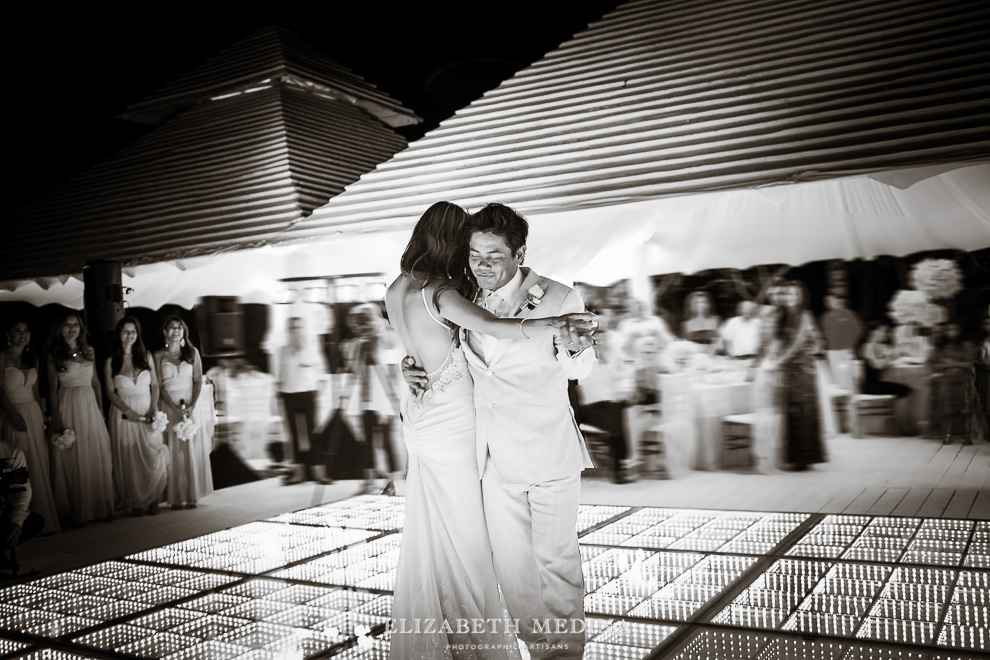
x=445, y=572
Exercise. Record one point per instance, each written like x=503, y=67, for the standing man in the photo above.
x=530, y=451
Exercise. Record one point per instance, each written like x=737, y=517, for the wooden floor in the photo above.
x=875, y=476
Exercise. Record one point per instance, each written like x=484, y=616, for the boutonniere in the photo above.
x=534, y=296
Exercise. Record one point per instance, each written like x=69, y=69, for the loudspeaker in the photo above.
x=220, y=320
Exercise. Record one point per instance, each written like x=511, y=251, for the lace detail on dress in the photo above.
x=450, y=370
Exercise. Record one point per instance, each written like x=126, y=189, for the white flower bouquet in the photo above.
x=909, y=306
x=185, y=430
x=939, y=279
x=64, y=440
x=159, y=422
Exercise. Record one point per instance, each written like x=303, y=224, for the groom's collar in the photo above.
x=510, y=289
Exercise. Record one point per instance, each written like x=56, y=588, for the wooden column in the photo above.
x=104, y=303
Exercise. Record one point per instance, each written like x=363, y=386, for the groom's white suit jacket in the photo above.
x=525, y=421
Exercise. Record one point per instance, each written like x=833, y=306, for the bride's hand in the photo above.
x=576, y=331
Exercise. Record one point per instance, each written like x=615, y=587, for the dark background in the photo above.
x=72, y=71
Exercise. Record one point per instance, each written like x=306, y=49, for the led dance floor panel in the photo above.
x=660, y=583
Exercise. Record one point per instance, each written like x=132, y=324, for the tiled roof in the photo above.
x=271, y=53
x=233, y=171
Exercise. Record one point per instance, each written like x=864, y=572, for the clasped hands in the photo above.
x=573, y=332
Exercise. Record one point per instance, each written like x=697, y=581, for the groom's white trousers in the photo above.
x=538, y=561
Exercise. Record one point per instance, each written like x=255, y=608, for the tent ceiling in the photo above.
x=856, y=217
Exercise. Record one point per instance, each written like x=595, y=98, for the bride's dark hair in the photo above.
x=437, y=251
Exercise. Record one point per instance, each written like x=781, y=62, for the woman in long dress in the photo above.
x=82, y=472
x=23, y=424
x=140, y=457
x=702, y=323
x=180, y=377
x=445, y=573
x=803, y=424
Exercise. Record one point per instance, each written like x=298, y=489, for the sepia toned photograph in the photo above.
x=604, y=330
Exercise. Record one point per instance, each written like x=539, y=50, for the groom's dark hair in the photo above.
x=502, y=221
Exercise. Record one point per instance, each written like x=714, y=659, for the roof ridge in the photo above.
x=267, y=54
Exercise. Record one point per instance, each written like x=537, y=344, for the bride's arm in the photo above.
x=469, y=316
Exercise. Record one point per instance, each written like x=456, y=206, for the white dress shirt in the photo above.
x=506, y=292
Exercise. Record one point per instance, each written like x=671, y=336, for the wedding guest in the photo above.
x=140, y=457
x=804, y=437
x=372, y=394
x=952, y=405
x=639, y=320
x=701, y=325
x=82, y=469
x=180, y=378
x=982, y=374
x=741, y=333
x=299, y=371
x=843, y=330
x=601, y=402
x=19, y=523
x=768, y=396
x=23, y=424
x=878, y=354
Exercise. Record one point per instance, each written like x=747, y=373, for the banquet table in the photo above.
x=714, y=397
x=911, y=413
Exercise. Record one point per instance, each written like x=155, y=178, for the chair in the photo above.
x=737, y=443
x=653, y=454
x=671, y=442
x=872, y=414
x=597, y=441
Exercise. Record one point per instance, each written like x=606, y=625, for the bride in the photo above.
x=446, y=602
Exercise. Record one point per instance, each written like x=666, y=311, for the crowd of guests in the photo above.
x=151, y=446
x=359, y=374
x=791, y=357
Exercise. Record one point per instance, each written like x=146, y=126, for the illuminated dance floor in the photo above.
x=661, y=583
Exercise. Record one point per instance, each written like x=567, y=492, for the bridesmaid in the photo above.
x=82, y=473
x=23, y=425
x=140, y=457
x=180, y=374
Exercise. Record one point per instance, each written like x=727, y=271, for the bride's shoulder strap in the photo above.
x=429, y=311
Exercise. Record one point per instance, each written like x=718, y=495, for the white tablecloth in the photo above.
x=712, y=402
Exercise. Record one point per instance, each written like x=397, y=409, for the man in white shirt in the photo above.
x=299, y=370
x=741, y=333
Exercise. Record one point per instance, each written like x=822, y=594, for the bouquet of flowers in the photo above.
x=185, y=430
x=159, y=422
x=64, y=440
x=908, y=306
x=939, y=279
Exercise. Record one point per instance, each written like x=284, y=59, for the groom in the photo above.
x=530, y=451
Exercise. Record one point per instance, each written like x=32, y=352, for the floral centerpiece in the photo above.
x=910, y=306
x=939, y=279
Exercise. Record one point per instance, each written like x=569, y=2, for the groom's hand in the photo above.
x=578, y=332
x=414, y=376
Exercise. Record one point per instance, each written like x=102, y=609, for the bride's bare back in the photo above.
x=424, y=339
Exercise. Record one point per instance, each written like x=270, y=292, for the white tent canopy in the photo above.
x=893, y=213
